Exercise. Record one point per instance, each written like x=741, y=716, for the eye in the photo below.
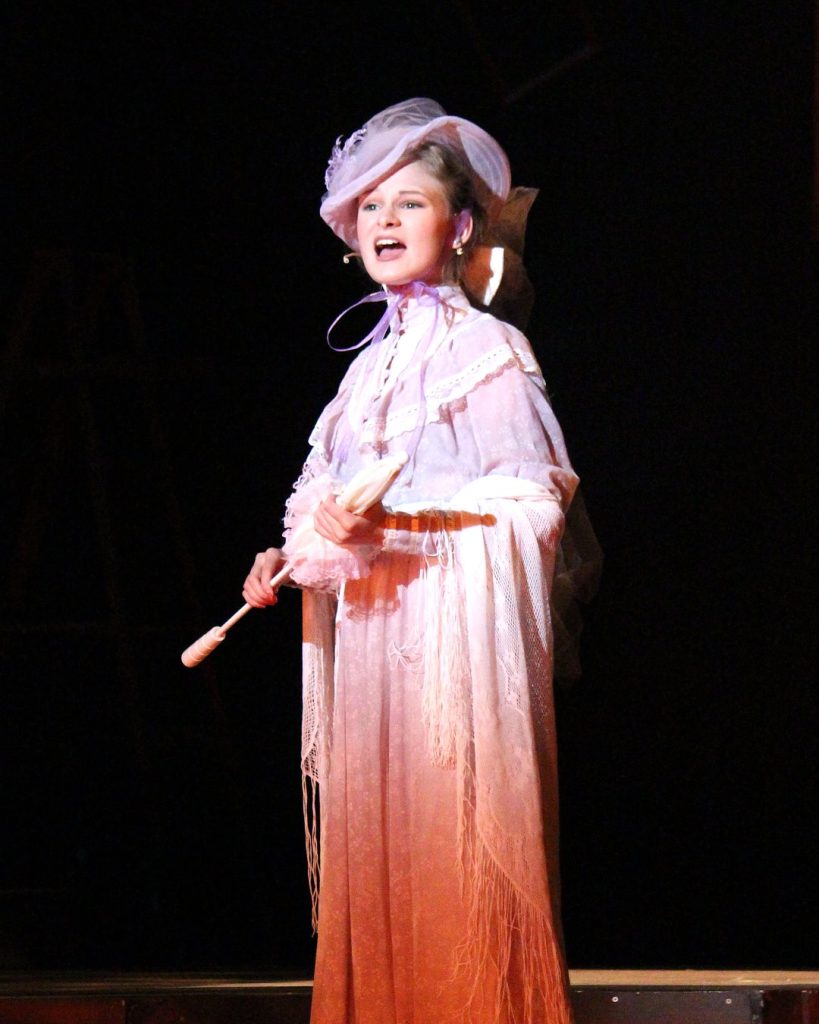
x=412, y=204
x=367, y=207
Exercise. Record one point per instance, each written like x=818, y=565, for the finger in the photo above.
x=253, y=593
x=341, y=527
x=267, y=565
x=328, y=527
x=351, y=522
x=258, y=595
x=256, y=589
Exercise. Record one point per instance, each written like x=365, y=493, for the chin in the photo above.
x=396, y=278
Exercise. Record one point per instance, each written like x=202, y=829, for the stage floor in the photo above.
x=599, y=997
x=69, y=983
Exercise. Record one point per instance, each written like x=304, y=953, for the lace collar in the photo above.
x=420, y=308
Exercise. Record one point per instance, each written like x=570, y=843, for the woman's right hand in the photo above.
x=257, y=590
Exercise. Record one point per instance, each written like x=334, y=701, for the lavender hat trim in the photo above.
x=376, y=149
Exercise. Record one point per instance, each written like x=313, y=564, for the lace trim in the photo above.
x=442, y=394
x=448, y=392
x=314, y=467
x=451, y=388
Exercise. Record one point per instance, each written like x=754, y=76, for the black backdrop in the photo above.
x=167, y=287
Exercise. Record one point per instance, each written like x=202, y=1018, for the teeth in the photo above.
x=387, y=243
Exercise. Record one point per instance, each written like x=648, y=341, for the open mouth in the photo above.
x=388, y=248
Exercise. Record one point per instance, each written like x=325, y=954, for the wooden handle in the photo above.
x=208, y=642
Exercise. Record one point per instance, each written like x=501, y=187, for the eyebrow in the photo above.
x=402, y=192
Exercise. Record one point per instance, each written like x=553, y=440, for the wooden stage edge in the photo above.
x=693, y=979
x=598, y=997
x=42, y=985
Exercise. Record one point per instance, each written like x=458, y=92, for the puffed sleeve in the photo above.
x=511, y=424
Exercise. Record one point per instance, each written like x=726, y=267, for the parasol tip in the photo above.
x=201, y=648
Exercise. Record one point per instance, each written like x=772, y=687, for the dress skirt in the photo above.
x=392, y=914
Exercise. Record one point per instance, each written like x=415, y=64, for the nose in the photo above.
x=388, y=216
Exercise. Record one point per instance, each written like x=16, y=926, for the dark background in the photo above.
x=167, y=285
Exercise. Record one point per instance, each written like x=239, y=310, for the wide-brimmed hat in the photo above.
x=375, y=150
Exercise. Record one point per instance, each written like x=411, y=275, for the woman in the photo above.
x=428, y=641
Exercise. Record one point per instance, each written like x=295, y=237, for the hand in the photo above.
x=342, y=527
x=257, y=590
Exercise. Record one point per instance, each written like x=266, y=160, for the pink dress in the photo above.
x=428, y=719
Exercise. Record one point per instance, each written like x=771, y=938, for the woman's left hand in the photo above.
x=342, y=527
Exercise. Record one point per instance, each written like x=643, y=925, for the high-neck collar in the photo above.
x=412, y=302
x=425, y=302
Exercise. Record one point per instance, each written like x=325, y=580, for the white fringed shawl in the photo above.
x=487, y=709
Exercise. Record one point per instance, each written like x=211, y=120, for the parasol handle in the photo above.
x=208, y=642
x=367, y=487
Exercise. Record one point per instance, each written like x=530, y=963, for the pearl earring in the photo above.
x=457, y=245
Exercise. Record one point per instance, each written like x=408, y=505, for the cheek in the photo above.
x=439, y=229
x=444, y=237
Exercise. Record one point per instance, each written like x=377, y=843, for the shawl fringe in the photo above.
x=510, y=938
x=445, y=700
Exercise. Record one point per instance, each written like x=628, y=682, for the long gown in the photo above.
x=428, y=717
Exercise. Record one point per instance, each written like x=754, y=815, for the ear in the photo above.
x=463, y=226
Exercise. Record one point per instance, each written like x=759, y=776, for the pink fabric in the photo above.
x=428, y=718
x=314, y=561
